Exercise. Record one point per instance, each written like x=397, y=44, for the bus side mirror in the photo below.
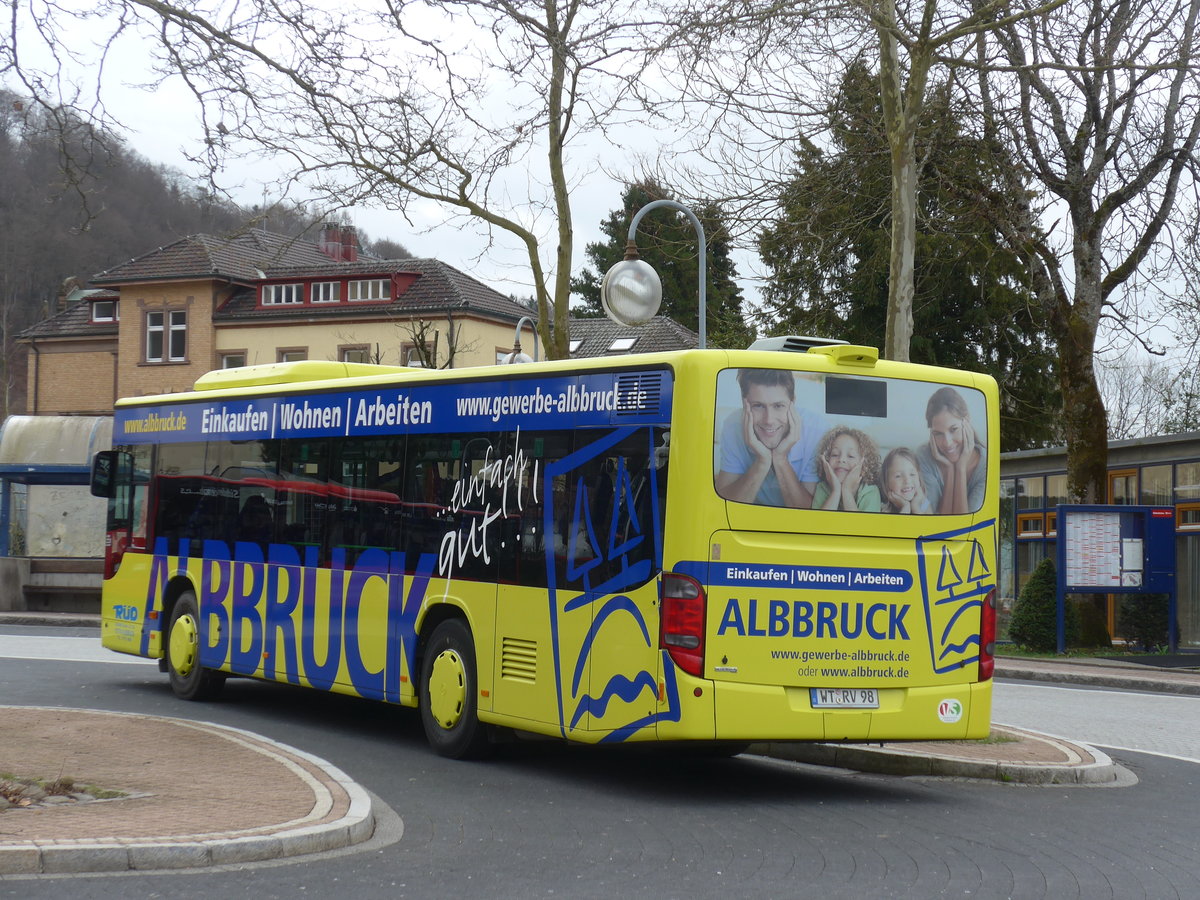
x=104, y=474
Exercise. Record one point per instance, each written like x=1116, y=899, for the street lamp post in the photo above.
x=517, y=355
x=631, y=291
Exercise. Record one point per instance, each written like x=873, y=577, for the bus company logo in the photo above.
x=957, y=570
x=950, y=711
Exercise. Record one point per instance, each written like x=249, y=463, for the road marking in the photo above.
x=1075, y=740
x=1099, y=690
x=64, y=649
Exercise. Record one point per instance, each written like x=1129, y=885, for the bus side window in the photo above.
x=302, y=500
x=363, y=500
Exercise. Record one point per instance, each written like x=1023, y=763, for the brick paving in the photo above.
x=1009, y=745
x=187, y=781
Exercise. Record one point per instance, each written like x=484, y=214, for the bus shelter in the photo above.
x=45, y=506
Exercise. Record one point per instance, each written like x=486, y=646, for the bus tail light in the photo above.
x=987, y=636
x=114, y=552
x=683, y=609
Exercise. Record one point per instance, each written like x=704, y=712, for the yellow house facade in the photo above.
x=156, y=323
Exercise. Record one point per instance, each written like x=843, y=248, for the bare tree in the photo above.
x=1147, y=396
x=469, y=105
x=1101, y=103
x=767, y=71
x=434, y=344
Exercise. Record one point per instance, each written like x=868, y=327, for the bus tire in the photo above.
x=189, y=679
x=449, y=691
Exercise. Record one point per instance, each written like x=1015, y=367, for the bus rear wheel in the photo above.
x=189, y=679
x=449, y=689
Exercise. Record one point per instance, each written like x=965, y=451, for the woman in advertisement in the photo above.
x=953, y=462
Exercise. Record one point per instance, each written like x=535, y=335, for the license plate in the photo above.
x=844, y=698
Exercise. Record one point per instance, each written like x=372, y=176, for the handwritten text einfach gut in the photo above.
x=495, y=491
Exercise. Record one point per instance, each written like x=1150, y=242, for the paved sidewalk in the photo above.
x=198, y=794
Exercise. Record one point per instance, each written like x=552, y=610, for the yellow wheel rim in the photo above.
x=185, y=644
x=447, y=689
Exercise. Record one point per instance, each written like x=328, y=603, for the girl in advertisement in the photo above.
x=901, y=484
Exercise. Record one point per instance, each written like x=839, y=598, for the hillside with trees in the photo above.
x=78, y=201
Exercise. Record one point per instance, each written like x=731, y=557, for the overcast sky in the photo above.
x=163, y=123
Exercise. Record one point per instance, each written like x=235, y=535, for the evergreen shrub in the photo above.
x=1034, y=623
x=1142, y=620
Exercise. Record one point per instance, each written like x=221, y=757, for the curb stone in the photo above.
x=903, y=762
x=1122, y=682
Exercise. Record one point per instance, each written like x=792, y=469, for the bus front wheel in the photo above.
x=189, y=679
x=449, y=689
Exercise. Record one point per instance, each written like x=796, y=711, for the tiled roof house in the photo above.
x=603, y=337
x=157, y=322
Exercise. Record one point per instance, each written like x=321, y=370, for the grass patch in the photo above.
x=1014, y=652
x=996, y=737
x=23, y=791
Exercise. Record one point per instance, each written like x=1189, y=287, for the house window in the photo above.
x=1156, y=485
x=166, y=331
x=1030, y=524
x=360, y=353
x=413, y=356
x=104, y=311
x=1187, y=482
x=154, y=336
x=574, y=346
x=177, y=338
x=621, y=344
x=233, y=360
x=1187, y=516
x=291, y=354
x=282, y=294
x=1030, y=493
x=1056, y=490
x=371, y=289
x=327, y=292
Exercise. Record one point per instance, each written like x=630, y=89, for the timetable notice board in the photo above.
x=1115, y=549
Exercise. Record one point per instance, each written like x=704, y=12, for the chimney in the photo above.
x=349, y=244
x=331, y=241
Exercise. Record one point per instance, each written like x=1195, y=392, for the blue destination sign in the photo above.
x=832, y=578
x=568, y=401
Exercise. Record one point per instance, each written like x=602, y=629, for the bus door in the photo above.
x=607, y=541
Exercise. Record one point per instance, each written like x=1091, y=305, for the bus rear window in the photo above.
x=849, y=443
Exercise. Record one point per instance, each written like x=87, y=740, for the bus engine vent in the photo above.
x=640, y=393
x=518, y=660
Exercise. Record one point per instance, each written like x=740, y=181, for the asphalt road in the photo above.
x=1164, y=724
x=544, y=820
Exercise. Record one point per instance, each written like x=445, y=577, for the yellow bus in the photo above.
x=706, y=545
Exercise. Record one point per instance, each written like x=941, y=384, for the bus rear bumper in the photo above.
x=747, y=712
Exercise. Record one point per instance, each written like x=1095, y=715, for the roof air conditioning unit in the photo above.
x=793, y=343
